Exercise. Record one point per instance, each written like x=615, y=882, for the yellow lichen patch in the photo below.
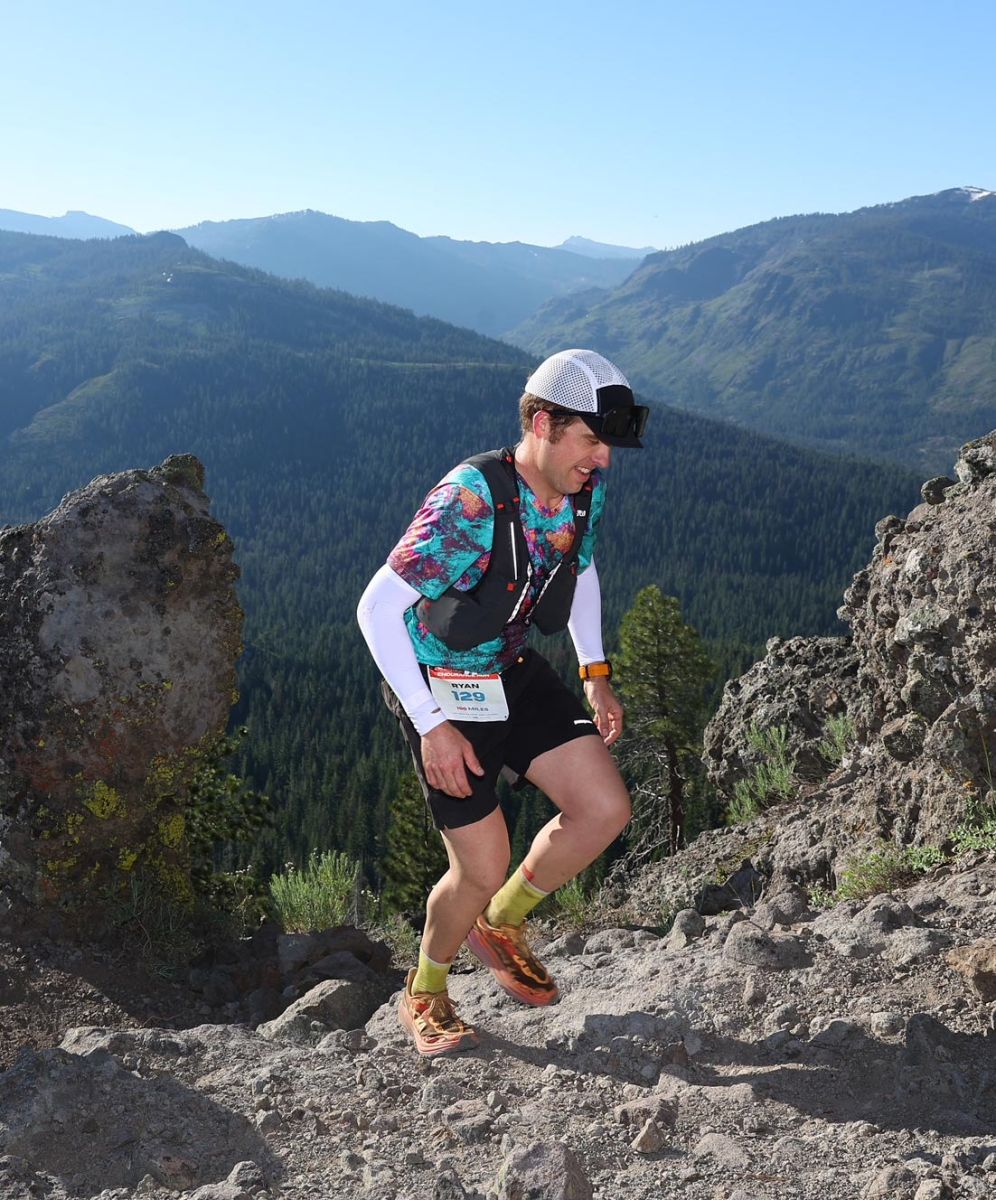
x=174, y=880
x=103, y=800
x=60, y=866
x=171, y=830
x=127, y=859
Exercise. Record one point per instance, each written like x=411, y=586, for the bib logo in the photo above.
x=581, y=512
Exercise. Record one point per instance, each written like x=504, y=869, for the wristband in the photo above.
x=595, y=670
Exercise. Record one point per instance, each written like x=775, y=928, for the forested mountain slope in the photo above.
x=872, y=332
x=487, y=286
x=321, y=420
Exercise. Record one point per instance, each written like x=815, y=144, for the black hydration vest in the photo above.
x=466, y=619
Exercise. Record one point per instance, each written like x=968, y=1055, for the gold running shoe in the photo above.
x=432, y=1021
x=505, y=951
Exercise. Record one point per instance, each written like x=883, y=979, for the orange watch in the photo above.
x=596, y=670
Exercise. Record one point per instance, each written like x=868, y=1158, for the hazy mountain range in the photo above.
x=487, y=286
x=70, y=225
x=872, y=332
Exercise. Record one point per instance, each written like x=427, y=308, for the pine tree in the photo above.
x=662, y=674
x=415, y=857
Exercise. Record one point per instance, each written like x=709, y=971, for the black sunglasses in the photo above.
x=628, y=421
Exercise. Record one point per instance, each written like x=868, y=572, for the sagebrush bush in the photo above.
x=319, y=895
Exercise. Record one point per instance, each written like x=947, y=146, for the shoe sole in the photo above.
x=466, y=1041
x=481, y=950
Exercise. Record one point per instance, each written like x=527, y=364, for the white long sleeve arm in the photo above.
x=585, y=625
x=381, y=614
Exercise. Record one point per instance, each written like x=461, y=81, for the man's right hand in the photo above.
x=446, y=757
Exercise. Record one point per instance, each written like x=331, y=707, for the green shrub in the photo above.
x=884, y=869
x=320, y=895
x=772, y=779
x=402, y=938
x=574, y=908
x=979, y=836
x=838, y=737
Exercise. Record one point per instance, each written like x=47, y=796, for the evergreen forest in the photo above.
x=322, y=419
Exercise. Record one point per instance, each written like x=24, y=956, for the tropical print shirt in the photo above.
x=448, y=544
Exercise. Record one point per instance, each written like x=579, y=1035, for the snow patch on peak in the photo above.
x=976, y=193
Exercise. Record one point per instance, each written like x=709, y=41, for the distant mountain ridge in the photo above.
x=872, y=332
x=485, y=286
x=71, y=225
x=583, y=245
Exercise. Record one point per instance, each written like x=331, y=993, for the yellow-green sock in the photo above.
x=512, y=903
x=430, y=975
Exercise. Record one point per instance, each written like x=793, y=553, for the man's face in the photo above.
x=567, y=463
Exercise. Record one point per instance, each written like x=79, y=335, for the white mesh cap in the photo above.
x=571, y=379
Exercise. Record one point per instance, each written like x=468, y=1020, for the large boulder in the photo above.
x=119, y=633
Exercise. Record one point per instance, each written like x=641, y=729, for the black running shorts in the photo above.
x=542, y=714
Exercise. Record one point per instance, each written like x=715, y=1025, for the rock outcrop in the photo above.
x=119, y=633
x=916, y=680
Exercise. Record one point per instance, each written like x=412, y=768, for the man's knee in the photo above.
x=618, y=811
x=483, y=881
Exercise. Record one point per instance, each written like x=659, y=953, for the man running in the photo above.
x=505, y=541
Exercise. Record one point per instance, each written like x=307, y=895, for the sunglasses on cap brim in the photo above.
x=625, y=422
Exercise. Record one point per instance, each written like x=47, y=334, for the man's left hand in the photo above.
x=607, y=710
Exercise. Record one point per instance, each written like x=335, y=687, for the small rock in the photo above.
x=247, y=1175
x=893, y=1183
x=785, y=1016
x=932, y=1189
x=934, y=490
x=219, y=1191
x=268, y=1120
x=448, y=1186
x=437, y=1093
x=723, y=1150
x=470, y=1120
x=783, y=908
x=332, y=1004
x=755, y=993
x=886, y=1023
x=547, y=1170
x=688, y=925
x=740, y=890
x=650, y=1139
x=751, y=946
x=977, y=964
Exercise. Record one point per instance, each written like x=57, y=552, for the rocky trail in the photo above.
x=771, y=1051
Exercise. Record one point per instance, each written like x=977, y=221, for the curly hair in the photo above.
x=560, y=418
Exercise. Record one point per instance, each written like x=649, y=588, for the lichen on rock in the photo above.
x=119, y=633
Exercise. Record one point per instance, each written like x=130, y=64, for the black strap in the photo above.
x=498, y=469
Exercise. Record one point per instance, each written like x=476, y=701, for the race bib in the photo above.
x=468, y=697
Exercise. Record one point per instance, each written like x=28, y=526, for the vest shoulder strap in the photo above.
x=498, y=469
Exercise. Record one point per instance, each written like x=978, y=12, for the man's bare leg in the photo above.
x=582, y=780
x=479, y=856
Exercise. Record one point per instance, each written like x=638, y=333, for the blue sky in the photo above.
x=635, y=123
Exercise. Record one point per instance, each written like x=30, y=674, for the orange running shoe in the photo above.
x=432, y=1021
x=504, y=951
